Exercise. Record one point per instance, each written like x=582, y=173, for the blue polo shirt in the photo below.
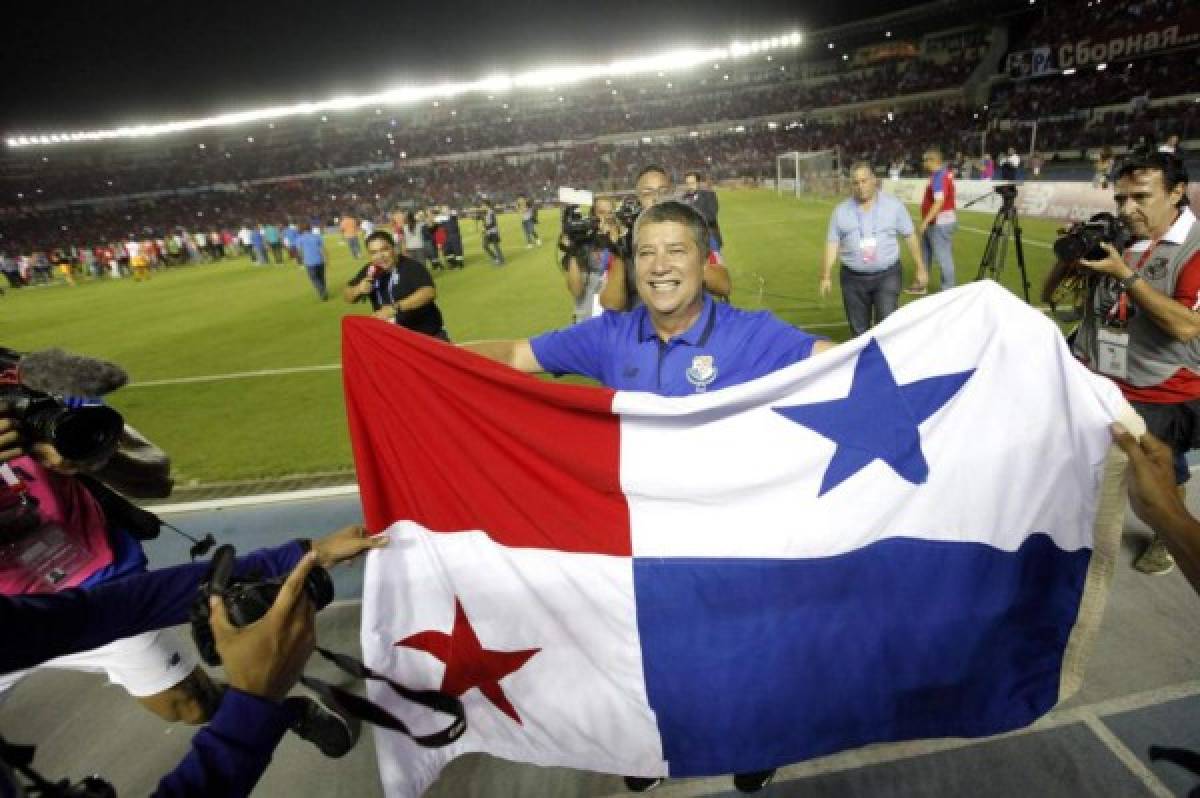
x=885, y=222
x=724, y=347
x=309, y=244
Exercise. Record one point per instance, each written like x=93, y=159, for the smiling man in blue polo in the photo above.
x=679, y=341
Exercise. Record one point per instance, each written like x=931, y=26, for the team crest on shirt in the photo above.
x=1156, y=269
x=702, y=372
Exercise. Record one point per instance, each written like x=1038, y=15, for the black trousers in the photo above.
x=869, y=298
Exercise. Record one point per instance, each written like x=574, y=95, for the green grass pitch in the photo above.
x=234, y=317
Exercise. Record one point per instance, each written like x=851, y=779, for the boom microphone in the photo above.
x=62, y=373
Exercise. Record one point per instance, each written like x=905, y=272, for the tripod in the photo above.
x=1005, y=225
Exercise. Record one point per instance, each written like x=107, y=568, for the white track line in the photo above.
x=250, y=501
x=240, y=375
x=1128, y=758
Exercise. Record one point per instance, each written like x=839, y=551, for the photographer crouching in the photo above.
x=590, y=253
x=1140, y=324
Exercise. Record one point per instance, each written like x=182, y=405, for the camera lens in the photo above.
x=86, y=433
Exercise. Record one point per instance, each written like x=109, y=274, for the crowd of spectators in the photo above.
x=1066, y=21
x=533, y=142
x=301, y=147
x=1148, y=78
x=739, y=152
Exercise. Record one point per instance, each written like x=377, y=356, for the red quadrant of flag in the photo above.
x=531, y=463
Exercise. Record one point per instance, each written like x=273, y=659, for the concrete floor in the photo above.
x=1142, y=688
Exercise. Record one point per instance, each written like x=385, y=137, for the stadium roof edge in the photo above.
x=913, y=14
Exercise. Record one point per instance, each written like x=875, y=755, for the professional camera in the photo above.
x=79, y=431
x=579, y=229
x=1083, y=239
x=1007, y=192
x=246, y=600
x=628, y=211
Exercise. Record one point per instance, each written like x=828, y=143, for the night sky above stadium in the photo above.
x=75, y=65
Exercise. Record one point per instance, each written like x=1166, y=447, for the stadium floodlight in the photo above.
x=549, y=77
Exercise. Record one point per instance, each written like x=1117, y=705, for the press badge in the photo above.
x=1112, y=353
x=867, y=246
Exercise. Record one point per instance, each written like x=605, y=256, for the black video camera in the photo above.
x=246, y=600
x=79, y=431
x=1007, y=192
x=578, y=229
x=1083, y=239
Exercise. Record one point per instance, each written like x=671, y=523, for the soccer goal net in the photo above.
x=816, y=172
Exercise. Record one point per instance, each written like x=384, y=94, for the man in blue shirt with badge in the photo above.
x=679, y=341
x=863, y=234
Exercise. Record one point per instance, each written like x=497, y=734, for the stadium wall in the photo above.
x=1044, y=199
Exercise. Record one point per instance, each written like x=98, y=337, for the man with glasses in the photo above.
x=652, y=186
x=399, y=288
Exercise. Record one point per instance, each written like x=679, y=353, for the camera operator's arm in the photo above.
x=52, y=625
x=263, y=662
x=717, y=281
x=614, y=295
x=574, y=274
x=1170, y=315
x=516, y=354
x=1156, y=500
x=10, y=438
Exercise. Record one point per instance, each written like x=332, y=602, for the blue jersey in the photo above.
x=310, y=246
x=724, y=347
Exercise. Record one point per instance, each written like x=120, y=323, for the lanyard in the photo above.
x=389, y=284
x=869, y=215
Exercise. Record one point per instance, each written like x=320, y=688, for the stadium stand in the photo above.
x=883, y=103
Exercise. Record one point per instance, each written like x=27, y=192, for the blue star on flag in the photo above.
x=878, y=420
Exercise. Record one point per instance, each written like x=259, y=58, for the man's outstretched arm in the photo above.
x=516, y=354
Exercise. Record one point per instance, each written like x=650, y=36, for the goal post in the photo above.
x=815, y=172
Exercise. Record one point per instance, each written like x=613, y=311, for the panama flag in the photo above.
x=893, y=540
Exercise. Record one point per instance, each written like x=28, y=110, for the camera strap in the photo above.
x=364, y=709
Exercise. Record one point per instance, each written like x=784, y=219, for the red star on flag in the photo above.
x=468, y=663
